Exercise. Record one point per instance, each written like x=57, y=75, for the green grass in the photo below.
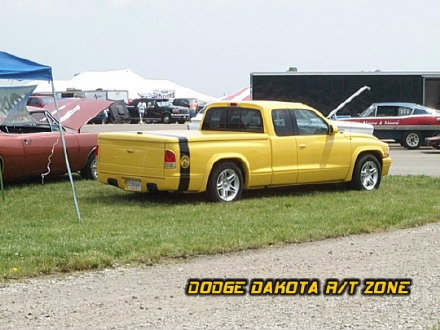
x=40, y=234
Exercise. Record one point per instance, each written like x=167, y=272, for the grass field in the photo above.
x=40, y=234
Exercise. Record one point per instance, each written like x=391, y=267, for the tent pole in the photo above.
x=69, y=171
x=1, y=183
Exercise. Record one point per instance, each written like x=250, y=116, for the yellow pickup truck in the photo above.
x=245, y=145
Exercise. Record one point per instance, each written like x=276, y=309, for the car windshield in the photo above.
x=368, y=112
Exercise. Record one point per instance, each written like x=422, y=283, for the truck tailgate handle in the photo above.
x=302, y=146
x=130, y=151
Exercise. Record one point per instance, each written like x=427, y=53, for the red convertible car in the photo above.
x=31, y=145
x=406, y=123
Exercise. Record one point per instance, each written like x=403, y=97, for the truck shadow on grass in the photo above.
x=175, y=198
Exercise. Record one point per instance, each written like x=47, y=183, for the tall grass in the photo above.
x=40, y=234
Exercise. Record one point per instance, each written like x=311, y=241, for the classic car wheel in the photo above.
x=166, y=119
x=225, y=183
x=367, y=173
x=91, y=170
x=412, y=140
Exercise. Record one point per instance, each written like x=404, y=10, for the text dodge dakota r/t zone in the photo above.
x=246, y=145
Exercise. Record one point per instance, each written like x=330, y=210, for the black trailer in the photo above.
x=325, y=91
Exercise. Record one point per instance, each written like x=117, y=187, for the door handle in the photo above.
x=302, y=146
x=27, y=141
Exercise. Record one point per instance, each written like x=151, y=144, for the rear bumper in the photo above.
x=146, y=184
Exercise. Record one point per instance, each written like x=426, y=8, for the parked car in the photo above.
x=195, y=121
x=39, y=101
x=116, y=113
x=406, y=123
x=158, y=110
x=27, y=140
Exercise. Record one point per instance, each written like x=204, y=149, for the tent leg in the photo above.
x=69, y=171
x=1, y=183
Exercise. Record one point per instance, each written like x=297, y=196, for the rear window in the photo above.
x=233, y=119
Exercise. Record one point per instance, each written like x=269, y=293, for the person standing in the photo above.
x=193, y=108
x=141, y=108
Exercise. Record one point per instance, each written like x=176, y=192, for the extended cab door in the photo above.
x=322, y=155
x=284, y=149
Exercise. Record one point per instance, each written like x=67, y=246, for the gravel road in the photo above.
x=153, y=297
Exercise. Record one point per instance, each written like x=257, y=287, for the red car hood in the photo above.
x=75, y=113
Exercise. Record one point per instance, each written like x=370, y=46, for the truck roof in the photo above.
x=260, y=103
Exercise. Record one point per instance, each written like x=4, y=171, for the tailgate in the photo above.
x=131, y=155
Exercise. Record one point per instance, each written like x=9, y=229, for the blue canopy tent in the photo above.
x=16, y=68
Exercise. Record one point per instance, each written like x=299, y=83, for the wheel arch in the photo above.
x=93, y=150
x=238, y=159
x=377, y=153
x=85, y=172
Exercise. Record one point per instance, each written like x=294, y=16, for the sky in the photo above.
x=213, y=46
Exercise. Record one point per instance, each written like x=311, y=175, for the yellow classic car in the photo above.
x=245, y=145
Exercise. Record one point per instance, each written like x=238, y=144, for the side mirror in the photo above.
x=333, y=129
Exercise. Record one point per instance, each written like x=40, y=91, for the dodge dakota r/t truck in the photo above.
x=246, y=145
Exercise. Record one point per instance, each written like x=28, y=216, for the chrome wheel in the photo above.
x=228, y=185
x=369, y=175
x=225, y=182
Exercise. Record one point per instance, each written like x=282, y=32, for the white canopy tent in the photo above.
x=128, y=80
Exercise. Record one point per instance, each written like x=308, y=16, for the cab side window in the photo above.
x=309, y=123
x=282, y=122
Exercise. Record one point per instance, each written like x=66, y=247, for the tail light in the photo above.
x=169, y=159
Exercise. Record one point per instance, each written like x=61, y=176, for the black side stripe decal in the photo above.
x=184, y=172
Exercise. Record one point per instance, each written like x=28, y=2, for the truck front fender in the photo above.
x=376, y=151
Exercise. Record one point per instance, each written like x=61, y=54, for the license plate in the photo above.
x=134, y=184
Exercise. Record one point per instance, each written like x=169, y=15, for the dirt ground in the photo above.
x=154, y=297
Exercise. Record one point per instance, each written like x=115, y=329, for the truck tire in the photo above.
x=166, y=118
x=367, y=173
x=412, y=140
x=225, y=183
x=90, y=171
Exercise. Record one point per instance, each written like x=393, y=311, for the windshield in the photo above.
x=368, y=112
